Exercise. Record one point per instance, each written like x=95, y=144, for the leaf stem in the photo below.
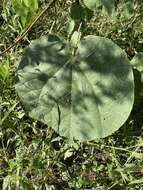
x=76, y=46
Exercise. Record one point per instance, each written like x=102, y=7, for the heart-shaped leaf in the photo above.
x=86, y=96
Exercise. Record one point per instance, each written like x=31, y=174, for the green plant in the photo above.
x=79, y=87
x=105, y=4
x=26, y=10
x=32, y=155
x=109, y=7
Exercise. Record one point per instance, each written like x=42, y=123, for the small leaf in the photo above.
x=70, y=26
x=88, y=13
x=4, y=72
x=23, y=20
x=128, y=10
x=19, y=8
x=109, y=5
x=31, y=4
x=12, y=164
x=26, y=10
x=137, y=61
x=68, y=153
x=75, y=39
x=77, y=11
x=27, y=2
x=90, y=4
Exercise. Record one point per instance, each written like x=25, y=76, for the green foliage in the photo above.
x=75, y=39
x=128, y=8
x=26, y=10
x=137, y=61
x=4, y=72
x=77, y=11
x=108, y=5
x=80, y=13
x=32, y=155
x=70, y=26
x=78, y=96
x=91, y=4
x=5, y=75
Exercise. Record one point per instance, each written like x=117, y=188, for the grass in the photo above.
x=32, y=156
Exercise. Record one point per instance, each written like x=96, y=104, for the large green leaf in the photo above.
x=84, y=97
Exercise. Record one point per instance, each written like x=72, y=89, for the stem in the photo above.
x=75, y=48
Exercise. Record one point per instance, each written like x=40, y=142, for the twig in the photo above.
x=28, y=28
